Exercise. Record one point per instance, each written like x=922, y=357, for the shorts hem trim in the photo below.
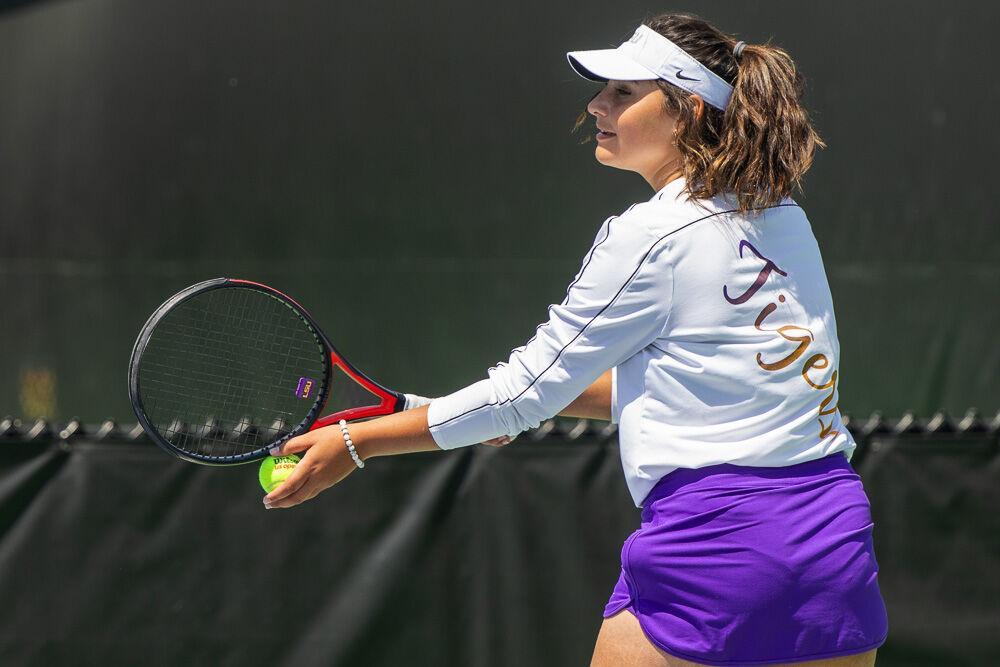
x=615, y=610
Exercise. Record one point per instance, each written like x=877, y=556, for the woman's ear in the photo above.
x=699, y=106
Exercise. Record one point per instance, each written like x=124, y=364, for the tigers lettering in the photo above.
x=820, y=361
x=803, y=341
x=802, y=336
x=761, y=277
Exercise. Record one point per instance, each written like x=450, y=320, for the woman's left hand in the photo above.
x=325, y=463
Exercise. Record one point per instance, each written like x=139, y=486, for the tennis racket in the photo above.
x=227, y=369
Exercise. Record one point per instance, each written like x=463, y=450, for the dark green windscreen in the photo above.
x=409, y=172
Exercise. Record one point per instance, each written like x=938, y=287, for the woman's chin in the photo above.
x=609, y=159
x=603, y=155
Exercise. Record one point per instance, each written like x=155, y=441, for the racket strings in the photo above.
x=274, y=340
x=346, y=392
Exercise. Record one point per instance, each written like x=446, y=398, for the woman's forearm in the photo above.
x=407, y=431
x=399, y=433
x=594, y=402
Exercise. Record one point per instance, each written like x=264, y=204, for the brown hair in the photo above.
x=759, y=148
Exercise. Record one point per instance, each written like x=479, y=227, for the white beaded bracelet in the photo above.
x=350, y=445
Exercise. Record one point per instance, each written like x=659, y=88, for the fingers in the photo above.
x=284, y=492
x=297, y=497
x=295, y=445
x=499, y=441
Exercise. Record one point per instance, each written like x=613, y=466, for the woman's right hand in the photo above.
x=499, y=441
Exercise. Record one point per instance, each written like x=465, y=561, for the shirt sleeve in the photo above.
x=617, y=304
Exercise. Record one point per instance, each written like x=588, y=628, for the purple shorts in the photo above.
x=754, y=566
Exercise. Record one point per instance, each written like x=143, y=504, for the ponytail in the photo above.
x=766, y=143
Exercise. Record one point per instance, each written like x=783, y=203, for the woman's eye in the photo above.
x=622, y=91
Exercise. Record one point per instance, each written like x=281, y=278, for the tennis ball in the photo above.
x=275, y=469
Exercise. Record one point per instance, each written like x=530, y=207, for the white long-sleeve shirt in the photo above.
x=720, y=332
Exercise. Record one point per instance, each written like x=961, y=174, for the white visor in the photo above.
x=649, y=55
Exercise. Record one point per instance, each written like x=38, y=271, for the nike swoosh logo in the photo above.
x=686, y=78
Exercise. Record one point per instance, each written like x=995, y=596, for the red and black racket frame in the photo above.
x=389, y=401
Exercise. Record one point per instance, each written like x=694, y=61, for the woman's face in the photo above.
x=640, y=132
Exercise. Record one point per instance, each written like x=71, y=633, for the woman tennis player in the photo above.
x=701, y=322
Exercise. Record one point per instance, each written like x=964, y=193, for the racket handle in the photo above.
x=414, y=401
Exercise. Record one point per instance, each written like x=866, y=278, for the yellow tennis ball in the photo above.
x=275, y=469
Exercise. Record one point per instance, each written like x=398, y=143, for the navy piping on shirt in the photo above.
x=608, y=305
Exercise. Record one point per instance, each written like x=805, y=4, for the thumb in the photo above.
x=297, y=444
x=298, y=477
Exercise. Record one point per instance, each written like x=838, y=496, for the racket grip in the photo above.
x=414, y=401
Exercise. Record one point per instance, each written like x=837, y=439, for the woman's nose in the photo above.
x=597, y=105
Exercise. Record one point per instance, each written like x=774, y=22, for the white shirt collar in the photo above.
x=671, y=189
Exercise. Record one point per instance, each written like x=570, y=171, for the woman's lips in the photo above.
x=605, y=135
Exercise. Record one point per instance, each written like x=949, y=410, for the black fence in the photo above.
x=112, y=552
